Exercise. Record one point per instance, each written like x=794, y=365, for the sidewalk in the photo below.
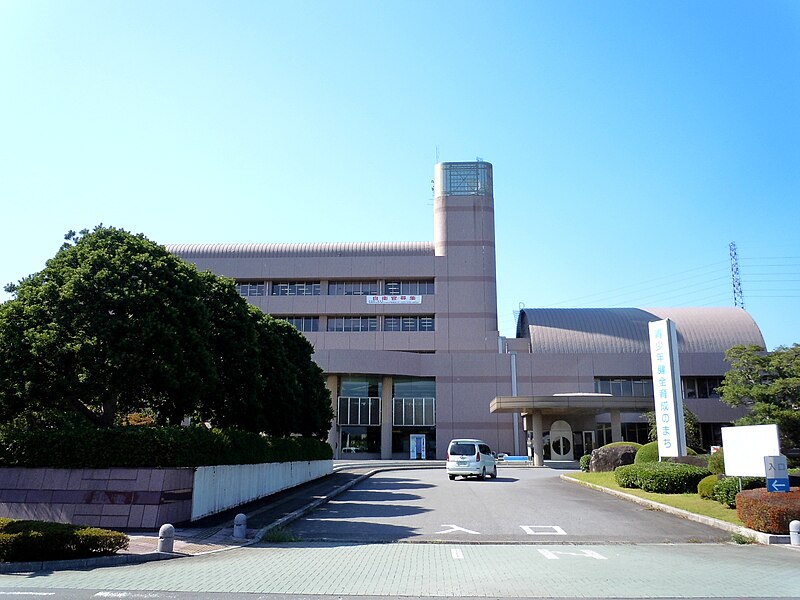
x=215, y=533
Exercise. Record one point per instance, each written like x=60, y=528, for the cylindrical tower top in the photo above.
x=463, y=179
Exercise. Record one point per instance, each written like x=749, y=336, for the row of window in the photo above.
x=693, y=387
x=371, y=323
x=421, y=287
x=406, y=412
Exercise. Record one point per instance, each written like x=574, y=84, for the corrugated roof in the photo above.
x=302, y=250
x=625, y=330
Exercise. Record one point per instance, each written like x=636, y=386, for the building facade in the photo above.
x=407, y=336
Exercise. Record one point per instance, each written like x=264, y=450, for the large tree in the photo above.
x=115, y=324
x=769, y=384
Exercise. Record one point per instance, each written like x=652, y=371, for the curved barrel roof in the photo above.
x=302, y=250
x=625, y=330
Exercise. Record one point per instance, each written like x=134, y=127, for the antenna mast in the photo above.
x=738, y=296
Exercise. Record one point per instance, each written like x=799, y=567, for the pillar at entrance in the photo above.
x=332, y=383
x=616, y=425
x=386, y=417
x=532, y=423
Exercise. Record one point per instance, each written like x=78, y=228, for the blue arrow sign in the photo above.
x=778, y=485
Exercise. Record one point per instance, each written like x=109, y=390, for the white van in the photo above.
x=467, y=457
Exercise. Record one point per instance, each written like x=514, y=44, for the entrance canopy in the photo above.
x=566, y=404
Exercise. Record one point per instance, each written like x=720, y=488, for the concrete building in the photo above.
x=407, y=336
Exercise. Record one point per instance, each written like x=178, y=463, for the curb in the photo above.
x=85, y=563
x=769, y=539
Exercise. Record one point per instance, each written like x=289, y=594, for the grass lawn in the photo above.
x=688, y=502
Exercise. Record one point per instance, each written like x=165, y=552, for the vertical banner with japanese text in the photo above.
x=667, y=388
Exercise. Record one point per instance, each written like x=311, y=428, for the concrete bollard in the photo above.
x=166, y=538
x=240, y=526
x=794, y=533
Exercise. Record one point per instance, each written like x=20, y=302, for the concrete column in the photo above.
x=386, y=417
x=538, y=439
x=332, y=383
x=532, y=422
x=616, y=425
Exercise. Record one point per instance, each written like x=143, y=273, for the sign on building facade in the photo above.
x=667, y=388
x=395, y=299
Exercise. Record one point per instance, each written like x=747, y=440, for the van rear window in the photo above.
x=462, y=449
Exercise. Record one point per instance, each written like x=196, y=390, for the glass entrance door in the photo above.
x=417, y=446
x=561, y=441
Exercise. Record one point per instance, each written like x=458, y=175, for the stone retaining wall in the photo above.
x=143, y=498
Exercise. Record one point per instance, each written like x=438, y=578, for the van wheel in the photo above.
x=482, y=476
x=452, y=477
x=494, y=473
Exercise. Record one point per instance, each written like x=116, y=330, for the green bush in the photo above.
x=767, y=511
x=726, y=489
x=706, y=487
x=627, y=476
x=636, y=445
x=71, y=445
x=39, y=540
x=661, y=478
x=584, y=462
x=716, y=462
x=647, y=454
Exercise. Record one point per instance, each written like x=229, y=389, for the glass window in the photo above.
x=360, y=439
x=303, y=323
x=359, y=411
x=409, y=323
x=360, y=385
x=423, y=287
x=352, y=324
x=352, y=288
x=414, y=411
x=295, y=288
x=251, y=288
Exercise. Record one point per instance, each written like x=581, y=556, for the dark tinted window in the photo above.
x=462, y=449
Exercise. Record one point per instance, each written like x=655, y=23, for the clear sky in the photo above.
x=631, y=141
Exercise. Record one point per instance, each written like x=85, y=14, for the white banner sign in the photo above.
x=399, y=299
x=667, y=388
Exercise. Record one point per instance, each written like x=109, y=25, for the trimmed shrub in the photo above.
x=647, y=454
x=627, y=476
x=636, y=445
x=769, y=512
x=82, y=446
x=661, y=478
x=705, y=488
x=716, y=462
x=726, y=489
x=584, y=462
x=39, y=540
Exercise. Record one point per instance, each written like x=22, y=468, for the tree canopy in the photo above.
x=769, y=384
x=116, y=324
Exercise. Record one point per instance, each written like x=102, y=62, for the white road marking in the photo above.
x=543, y=530
x=457, y=553
x=456, y=528
x=27, y=593
x=553, y=554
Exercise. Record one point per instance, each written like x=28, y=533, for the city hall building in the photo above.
x=407, y=335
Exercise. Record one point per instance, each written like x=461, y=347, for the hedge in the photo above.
x=726, y=489
x=770, y=512
x=716, y=462
x=39, y=540
x=72, y=446
x=661, y=478
x=705, y=489
x=584, y=462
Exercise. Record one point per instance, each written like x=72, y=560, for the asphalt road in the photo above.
x=520, y=506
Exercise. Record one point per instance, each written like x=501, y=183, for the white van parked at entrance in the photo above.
x=468, y=457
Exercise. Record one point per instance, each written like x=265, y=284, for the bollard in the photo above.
x=166, y=538
x=240, y=526
x=794, y=533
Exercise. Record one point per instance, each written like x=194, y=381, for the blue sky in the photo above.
x=631, y=141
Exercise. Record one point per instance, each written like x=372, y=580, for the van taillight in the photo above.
x=478, y=457
x=448, y=457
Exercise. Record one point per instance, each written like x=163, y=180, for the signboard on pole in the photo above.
x=777, y=471
x=746, y=446
x=667, y=388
